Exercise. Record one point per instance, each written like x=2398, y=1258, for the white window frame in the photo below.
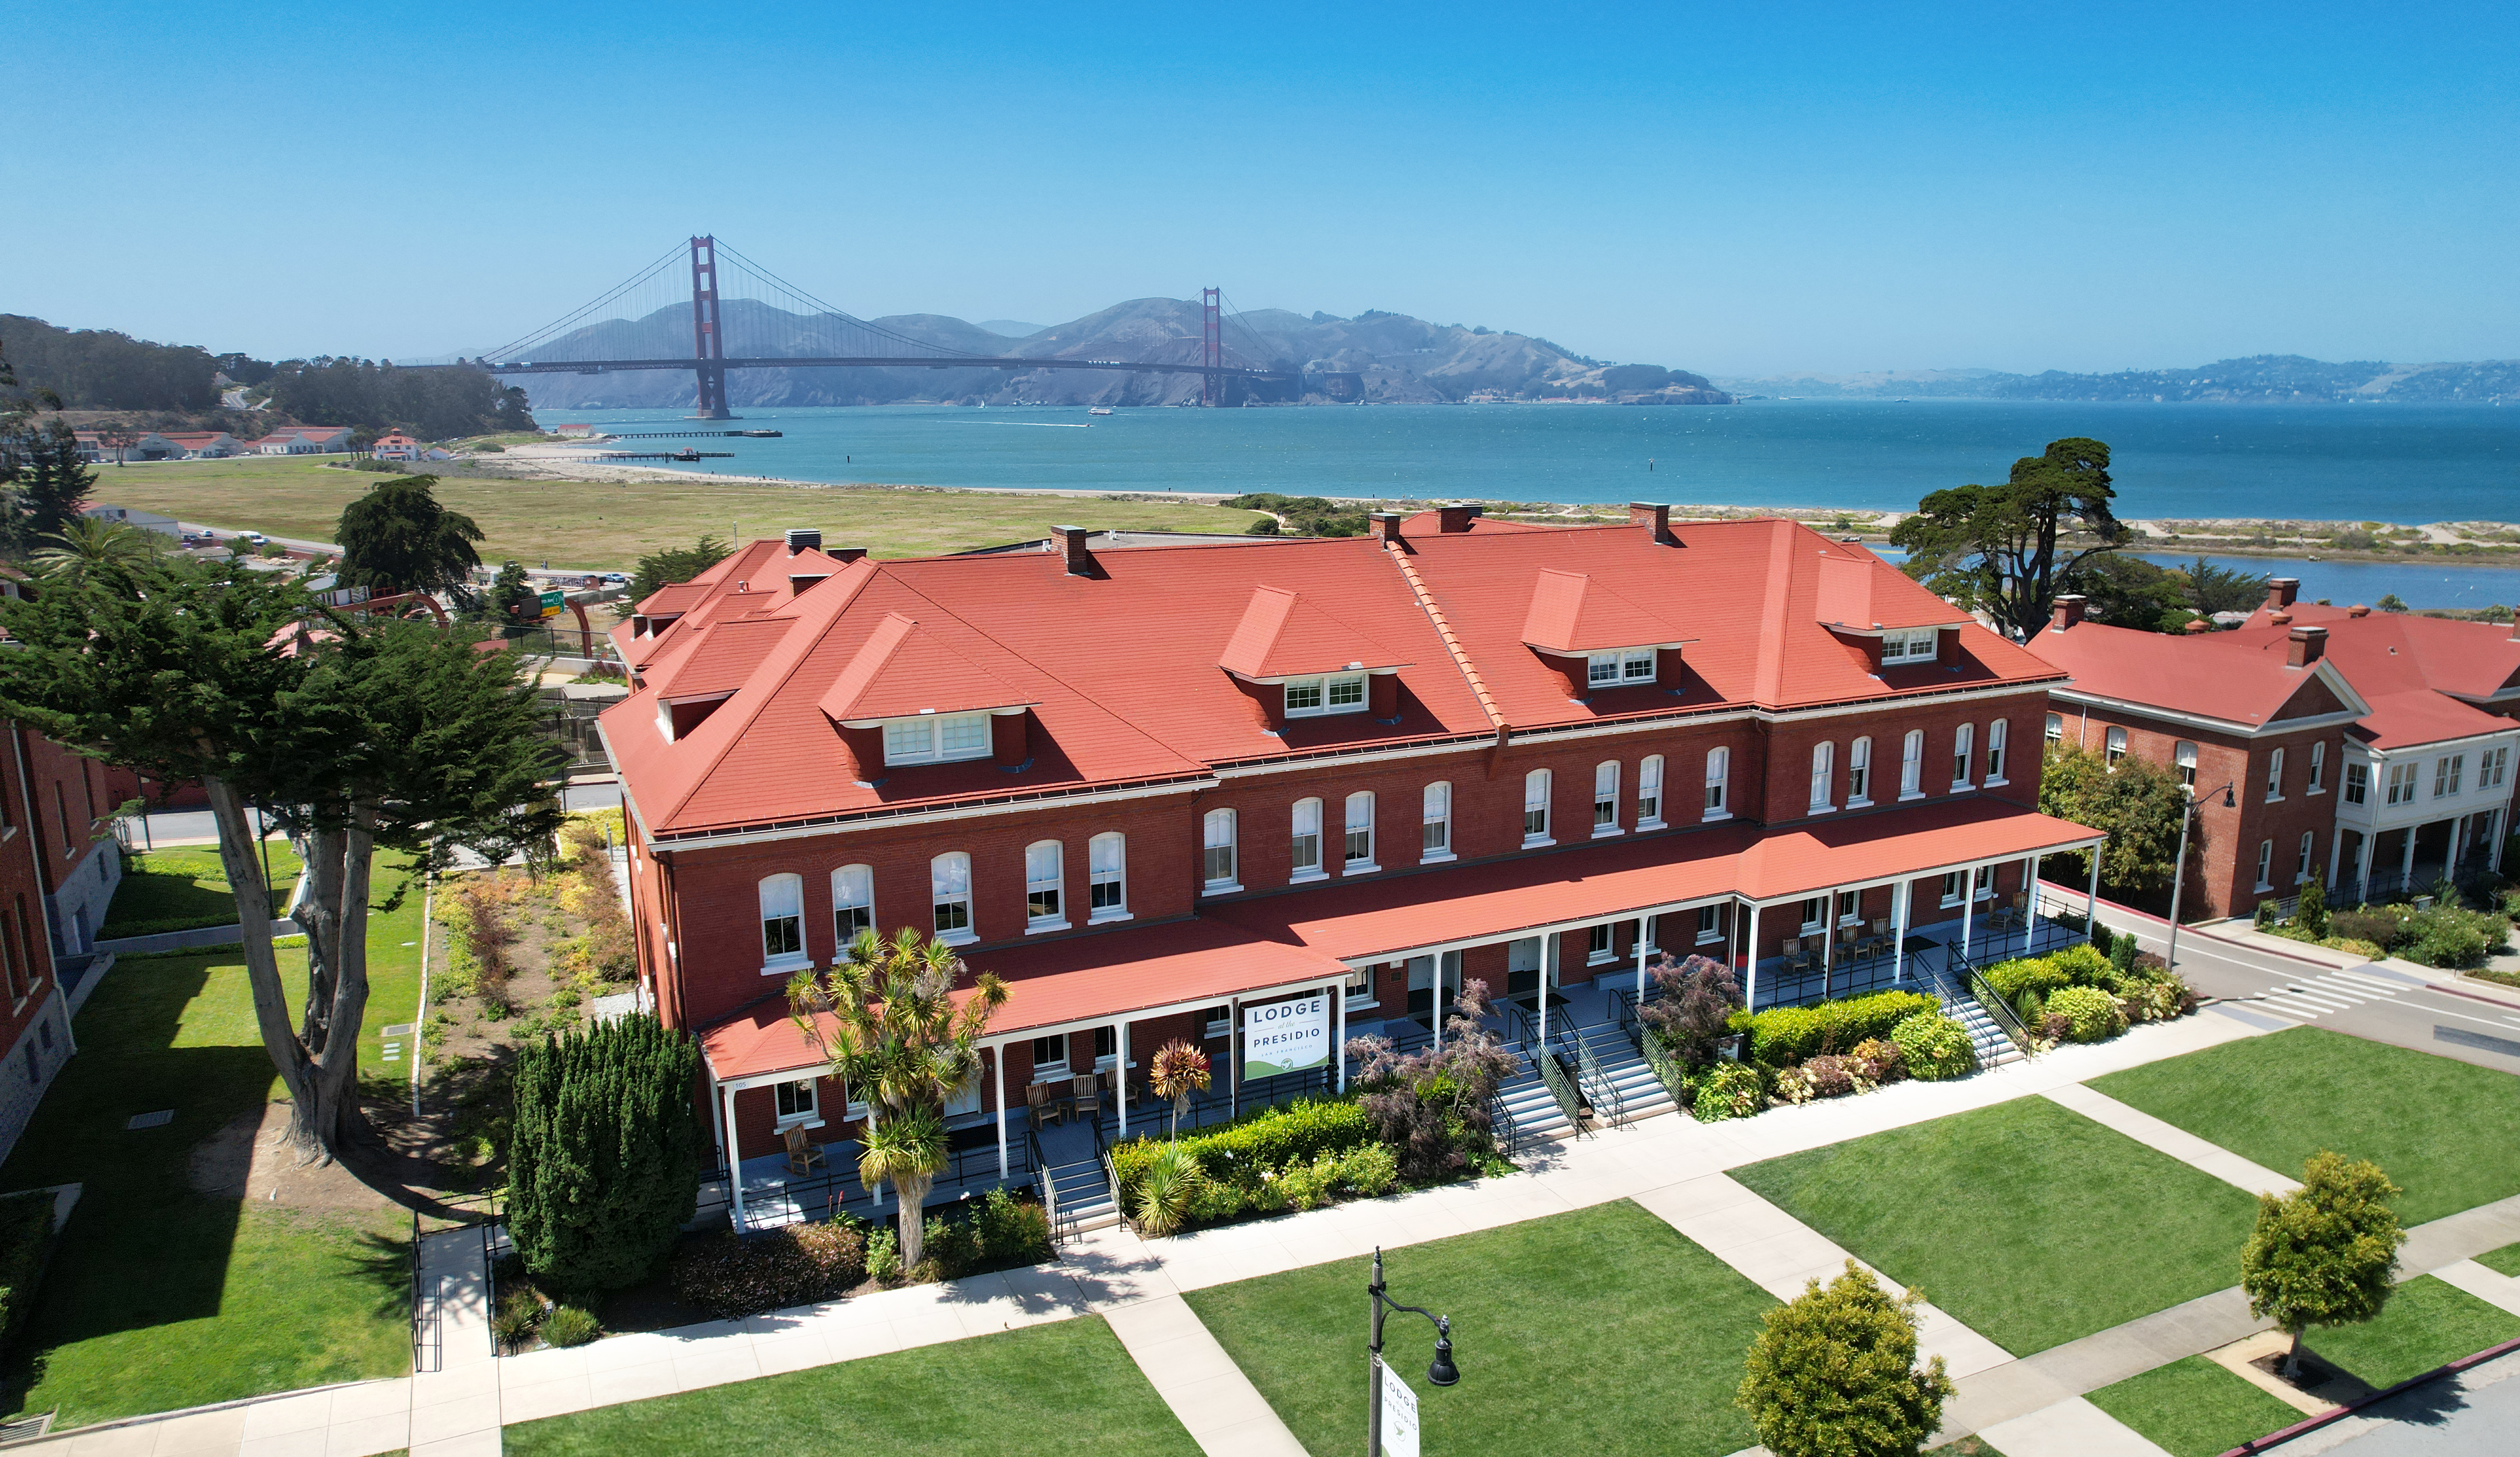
x=1304, y=842
x=1435, y=823
x=1718, y=782
x=1999, y=737
x=1623, y=668
x=1605, y=800
x=1859, y=773
x=790, y=1111
x=2308, y=842
x=1963, y=757
x=2274, y=775
x=2056, y=729
x=1537, y=786
x=1650, y=792
x=2358, y=783
x=1954, y=882
x=1327, y=693
x=1912, y=765
x=1823, y=777
x=1045, y=881
x=1813, y=924
x=1358, y=991
x=2401, y=783
x=1052, y=1069
x=1910, y=645
x=1106, y=878
x=1355, y=825
x=1211, y=841
x=922, y=741
x=783, y=907
x=852, y=890
x=2448, y=771
x=2317, y=767
x=2266, y=864
x=1710, y=923
x=2114, y=745
x=949, y=898
x=1600, y=947
x=2492, y=768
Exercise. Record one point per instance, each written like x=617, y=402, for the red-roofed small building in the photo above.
x=394, y=445
x=2372, y=751
x=1172, y=790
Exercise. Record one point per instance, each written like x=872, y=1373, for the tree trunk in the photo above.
x=2292, y=1358
x=912, y=1190
x=236, y=853
x=334, y=914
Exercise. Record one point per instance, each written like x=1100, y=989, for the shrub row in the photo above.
x=1781, y=1037
x=1000, y=1231
x=1272, y=1138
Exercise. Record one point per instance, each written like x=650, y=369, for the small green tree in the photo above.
x=48, y=483
x=603, y=1163
x=398, y=538
x=2325, y=1255
x=903, y=1039
x=2138, y=802
x=1833, y=1373
x=2311, y=913
x=675, y=564
x=514, y=594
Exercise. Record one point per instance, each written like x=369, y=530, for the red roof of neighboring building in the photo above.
x=2209, y=675
x=2399, y=650
x=1429, y=523
x=1123, y=665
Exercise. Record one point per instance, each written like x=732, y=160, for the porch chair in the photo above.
x=802, y=1157
x=1089, y=1095
x=1043, y=1112
x=1124, y=1092
x=1798, y=955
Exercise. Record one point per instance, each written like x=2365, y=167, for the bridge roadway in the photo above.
x=608, y=366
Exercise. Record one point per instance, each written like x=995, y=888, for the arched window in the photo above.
x=1650, y=792
x=2318, y=768
x=783, y=920
x=1912, y=764
x=1435, y=823
x=1219, y=862
x=1108, y=870
x=1534, y=807
x=1963, y=741
x=1859, y=773
x=1823, y=776
x=2266, y=864
x=1045, y=883
x=1998, y=733
x=852, y=903
x=2275, y=773
x=1606, y=796
x=1719, y=775
x=1357, y=854
x=1308, y=838
x=2184, y=755
x=2117, y=746
x=949, y=878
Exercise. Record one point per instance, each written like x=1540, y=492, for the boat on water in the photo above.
x=1100, y=410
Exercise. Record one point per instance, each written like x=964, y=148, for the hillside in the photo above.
x=2260, y=379
x=1375, y=356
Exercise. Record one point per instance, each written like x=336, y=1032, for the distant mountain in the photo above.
x=1375, y=356
x=2260, y=379
x=1012, y=329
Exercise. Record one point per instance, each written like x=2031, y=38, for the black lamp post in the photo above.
x=1441, y=1371
x=2178, y=876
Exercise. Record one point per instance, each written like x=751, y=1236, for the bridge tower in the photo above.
x=708, y=337
x=1211, y=389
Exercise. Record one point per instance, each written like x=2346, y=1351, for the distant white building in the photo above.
x=394, y=445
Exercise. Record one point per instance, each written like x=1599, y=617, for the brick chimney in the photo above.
x=2308, y=645
x=845, y=555
x=2068, y=611
x=1072, y=544
x=2359, y=610
x=1655, y=515
x=803, y=539
x=2515, y=624
x=2280, y=591
x=1386, y=526
x=1453, y=520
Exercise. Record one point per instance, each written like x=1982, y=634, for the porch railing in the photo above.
x=1666, y=1071
x=1608, y=1103
x=1502, y=1128
x=1983, y=995
x=428, y=1330
x=1555, y=1077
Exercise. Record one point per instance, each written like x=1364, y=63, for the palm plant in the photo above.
x=902, y=1039
x=1178, y=1070
x=1168, y=1189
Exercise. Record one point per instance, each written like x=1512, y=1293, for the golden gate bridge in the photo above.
x=620, y=331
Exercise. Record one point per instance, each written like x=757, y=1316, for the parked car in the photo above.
x=617, y=579
x=255, y=537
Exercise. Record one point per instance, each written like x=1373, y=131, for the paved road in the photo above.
x=198, y=828
x=2374, y=1001
x=2469, y=1415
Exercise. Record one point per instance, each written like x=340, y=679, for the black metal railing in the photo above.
x=427, y=1317
x=1610, y=1105
x=1502, y=1129
x=1554, y=1077
x=1982, y=995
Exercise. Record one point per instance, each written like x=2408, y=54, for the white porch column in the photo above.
x=2091, y=916
x=1968, y=907
x=1907, y=891
x=2406, y=862
x=1234, y=1054
x=1750, y=990
x=1640, y=962
x=1339, y=1029
x=1434, y=979
x=734, y=1161
x=998, y=1055
x=1547, y=960
x=2494, y=842
x=2362, y=866
x=2458, y=837
x=1828, y=936
x=2029, y=904
x=1120, y=1077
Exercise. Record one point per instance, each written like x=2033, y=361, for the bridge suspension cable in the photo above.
x=822, y=309
x=585, y=312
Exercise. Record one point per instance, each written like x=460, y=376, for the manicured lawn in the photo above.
x=1067, y=1387
x=2502, y=1261
x=2447, y=1132
x=182, y=888
x=164, y=1295
x=2426, y=1323
x=2194, y=1408
x=1604, y=1328
x=2031, y=1223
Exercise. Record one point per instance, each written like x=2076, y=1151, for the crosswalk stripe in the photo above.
x=2297, y=1008
x=2350, y=994
x=2283, y=1010
x=2329, y=1001
x=2385, y=989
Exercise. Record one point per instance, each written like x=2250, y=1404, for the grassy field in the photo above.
x=2031, y=1223
x=183, y=888
x=1603, y=1328
x=607, y=526
x=2427, y=1323
x=2194, y=1408
x=2502, y=1261
x=1069, y=1386
x=2447, y=1132
x=171, y=1289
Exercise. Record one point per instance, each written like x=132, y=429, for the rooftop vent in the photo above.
x=803, y=539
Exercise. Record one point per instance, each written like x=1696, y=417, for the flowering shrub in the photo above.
x=1697, y=1007
x=1430, y=1108
x=1880, y=1061
x=1733, y=1091
x=1933, y=1046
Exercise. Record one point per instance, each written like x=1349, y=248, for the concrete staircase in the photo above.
x=1632, y=1088
x=1085, y=1200
x=1994, y=1047
x=1528, y=1102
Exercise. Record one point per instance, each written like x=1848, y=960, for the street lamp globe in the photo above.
x=1442, y=1372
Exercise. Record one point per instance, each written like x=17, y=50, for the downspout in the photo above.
x=673, y=940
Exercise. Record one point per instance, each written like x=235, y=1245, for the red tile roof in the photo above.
x=904, y=670
x=2209, y=675
x=1571, y=613
x=1284, y=634
x=1864, y=594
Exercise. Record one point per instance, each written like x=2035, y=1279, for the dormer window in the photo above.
x=1334, y=693
x=1603, y=670
x=1910, y=645
x=936, y=739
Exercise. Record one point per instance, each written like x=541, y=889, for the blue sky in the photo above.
x=1730, y=189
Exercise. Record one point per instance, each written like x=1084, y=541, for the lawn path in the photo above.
x=1216, y=1404
x=2170, y=1140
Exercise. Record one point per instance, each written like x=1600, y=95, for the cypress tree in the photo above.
x=603, y=1163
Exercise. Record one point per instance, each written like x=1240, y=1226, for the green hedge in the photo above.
x=2074, y=966
x=26, y=1247
x=1781, y=1037
x=1271, y=1138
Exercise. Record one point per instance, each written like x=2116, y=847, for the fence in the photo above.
x=428, y=1317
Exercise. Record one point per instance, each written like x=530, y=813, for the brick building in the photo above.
x=1153, y=788
x=2372, y=751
